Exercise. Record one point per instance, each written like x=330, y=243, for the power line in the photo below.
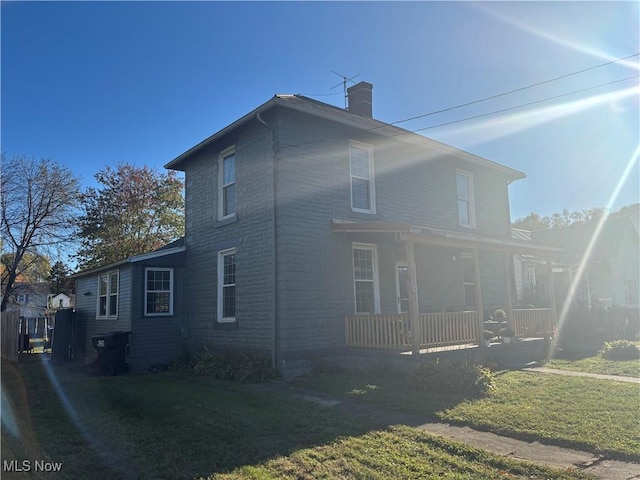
x=473, y=102
x=525, y=104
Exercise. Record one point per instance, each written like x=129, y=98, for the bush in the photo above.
x=226, y=366
x=453, y=377
x=621, y=350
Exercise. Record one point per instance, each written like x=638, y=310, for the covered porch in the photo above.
x=411, y=331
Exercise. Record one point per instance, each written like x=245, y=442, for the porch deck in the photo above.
x=438, y=332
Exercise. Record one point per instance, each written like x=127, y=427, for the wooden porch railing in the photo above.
x=394, y=331
x=532, y=322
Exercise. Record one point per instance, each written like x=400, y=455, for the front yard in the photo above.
x=180, y=426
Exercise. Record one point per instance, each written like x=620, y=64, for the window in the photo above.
x=158, y=289
x=227, y=285
x=469, y=280
x=365, y=277
x=362, y=178
x=466, y=204
x=227, y=194
x=631, y=291
x=22, y=298
x=108, y=295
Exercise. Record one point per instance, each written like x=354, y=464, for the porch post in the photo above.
x=478, y=294
x=552, y=293
x=412, y=285
x=508, y=260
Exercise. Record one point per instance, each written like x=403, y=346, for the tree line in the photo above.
x=44, y=211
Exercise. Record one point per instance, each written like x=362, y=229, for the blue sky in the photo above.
x=92, y=84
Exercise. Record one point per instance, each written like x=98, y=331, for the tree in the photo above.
x=37, y=201
x=31, y=269
x=59, y=280
x=134, y=211
x=533, y=221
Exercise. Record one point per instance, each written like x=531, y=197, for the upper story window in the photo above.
x=362, y=178
x=227, y=285
x=227, y=177
x=466, y=202
x=22, y=298
x=158, y=291
x=108, y=295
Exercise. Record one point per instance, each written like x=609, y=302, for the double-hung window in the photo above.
x=227, y=285
x=158, y=291
x=466, y=202
x=108, y=295
x=227, y=191
x=365, y=278
x=631, y=291
x=362, y=178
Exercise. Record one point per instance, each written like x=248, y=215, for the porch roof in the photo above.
x=405, y=232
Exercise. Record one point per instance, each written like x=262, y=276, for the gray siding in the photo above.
x=86, y=310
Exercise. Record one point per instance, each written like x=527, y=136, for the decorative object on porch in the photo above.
x=487, y=337
x=507, y=334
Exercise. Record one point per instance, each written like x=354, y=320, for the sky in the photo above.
x=94, y=84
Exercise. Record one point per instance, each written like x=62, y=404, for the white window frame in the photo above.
x=108, y=295
x=147, y=292
x=21, y=298
x=375, y=280
x=631, y=291
x=222, y=285
x=464, y=257
x=371, y=179
x=471, y=203
x=231, y=151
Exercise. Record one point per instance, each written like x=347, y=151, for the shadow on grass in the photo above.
x=154, y=426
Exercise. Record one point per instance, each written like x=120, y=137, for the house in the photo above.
x=608, y=256
x=30, y=298
x=144, y=295
x=313, y=231
x=60, y=300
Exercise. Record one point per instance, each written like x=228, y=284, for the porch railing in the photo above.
x=532, y=322
x=394, y=331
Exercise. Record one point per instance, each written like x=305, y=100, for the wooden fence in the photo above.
x=447, y=329
x=9, y=335
x=532, y=322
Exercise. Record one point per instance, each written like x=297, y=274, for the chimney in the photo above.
x=360, y=98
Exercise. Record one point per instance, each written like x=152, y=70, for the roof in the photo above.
x=176, y=246
x=331, y=113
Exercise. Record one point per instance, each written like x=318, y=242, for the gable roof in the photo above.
x=331, y=113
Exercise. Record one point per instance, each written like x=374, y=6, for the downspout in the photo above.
x=274, y=254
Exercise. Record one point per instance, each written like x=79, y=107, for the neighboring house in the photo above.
x=30, y=299
x=610, y=260
x=303, y=219
x=144, y=295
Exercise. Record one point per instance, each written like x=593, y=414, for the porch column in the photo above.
x=508, y=260
x=552, y=293
x=478, y=294
x=412, y=284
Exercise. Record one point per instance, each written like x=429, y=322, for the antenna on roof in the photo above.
x=344, y=81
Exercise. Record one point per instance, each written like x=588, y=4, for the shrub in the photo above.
x=453, y=377
x=226, y=366
x=621, y=350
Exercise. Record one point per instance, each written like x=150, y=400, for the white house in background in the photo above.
x=55, y=302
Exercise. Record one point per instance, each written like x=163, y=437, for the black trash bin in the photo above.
x=112, y=352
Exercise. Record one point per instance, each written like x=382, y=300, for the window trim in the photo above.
x=147, y=291
x=108, y=295
x=221, y=285
x=471, y=203
x=468, y=256
x=371, y=179
x=221, y=157
x=376, y=279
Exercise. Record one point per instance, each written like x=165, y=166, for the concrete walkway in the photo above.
x=533, y=452
x=571, y=373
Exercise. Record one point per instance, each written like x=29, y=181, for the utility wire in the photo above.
x=473, y=102
x=525, y=104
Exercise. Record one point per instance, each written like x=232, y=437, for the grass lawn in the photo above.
x=178, y=426
x=584, y=413
x=597, y=364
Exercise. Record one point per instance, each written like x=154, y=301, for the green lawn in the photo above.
x=584, y=413
x=179, y=426
x=597, y=364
